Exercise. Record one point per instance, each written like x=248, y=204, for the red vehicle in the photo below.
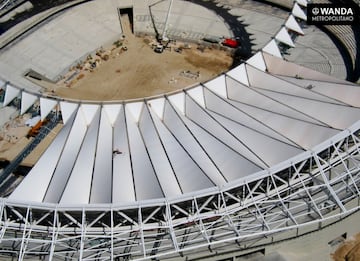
x=233, y=43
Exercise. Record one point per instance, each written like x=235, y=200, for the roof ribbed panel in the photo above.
x=188, y=173
x=46, y=105
x=174, y=121
x=123, y=189
x=67, y=159
x=82, y=172
x=284, y=37
x=146, y=183
x=27, y=100
x=158, y=156
x=41, y=174
x=101, y=186
x=10, y=94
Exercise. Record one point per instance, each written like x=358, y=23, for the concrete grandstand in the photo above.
x=224, y=170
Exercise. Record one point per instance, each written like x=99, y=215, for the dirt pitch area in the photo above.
x=130, y=69
x=348, y=250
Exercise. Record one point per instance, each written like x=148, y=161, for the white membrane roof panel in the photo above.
x=67, y=109
x=178, y=100
x=218, y=85
x=200, y=117
x=346, y=93
x=302, y=2
x=268, y=149
x=230, y=163
x=82, y=172
x=189, y=175
x=239, y=73
x=298, y=12
x=101, y=186
x=257, y=61
x=304, y=134
x=251, y=96
x=112, y=111
x=135, y=109
x=197, y=94
x=272, y=48
x=284, y=37
x=27, y=100
x=322, y=111
x=89, y=111
x=174, y=121
x=279, y=66
x=157, y=105
x=293, y=25
x=269, y=82
x=229, y=110
x=10, y=94
x=46, y=105
x=158, y=156
x=146, y=184
x=67, y=159
x=252, y=139
x=40, y=175
x=123, y=186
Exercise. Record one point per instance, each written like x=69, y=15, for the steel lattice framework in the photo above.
x=314, y=190
x=304, y=193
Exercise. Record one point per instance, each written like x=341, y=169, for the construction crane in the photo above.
x=164, y=37
x=164, y=40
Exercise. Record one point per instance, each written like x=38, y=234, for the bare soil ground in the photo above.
x=139, y=72
x=349, y=250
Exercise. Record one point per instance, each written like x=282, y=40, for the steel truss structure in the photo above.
x=315, y=188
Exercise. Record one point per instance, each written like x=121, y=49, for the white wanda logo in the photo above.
x=315, y=11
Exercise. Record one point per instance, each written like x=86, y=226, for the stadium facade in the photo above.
x=265, y=152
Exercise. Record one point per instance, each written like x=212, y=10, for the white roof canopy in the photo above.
x=249, y=119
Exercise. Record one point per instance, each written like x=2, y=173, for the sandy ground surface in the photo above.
x=348, y=250
x=130, y=70
x=139, y=72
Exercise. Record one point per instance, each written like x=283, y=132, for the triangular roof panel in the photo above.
x=272, y=48
x=135, y=109
x=46, y=105
x=10, y=94
x=302, y=2
x=218, y=85
x=298, y=12
x=178, y=100
x=27, y=100
x=284, y=37
x=112, y=111
x=257, y=60
x=197, y=94
x=67, y=109
x=157, y=105
x=239, y=73
x=293, y=25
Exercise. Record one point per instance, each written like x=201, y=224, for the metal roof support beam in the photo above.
x=330, y=189
x=141, y=231
x=112, y=233
x=284, y=209
x=55, y=232
x=22, y=247
x=227, y=217
x=170, y=225
x=347, y=171
x=257, y=207
x=83, y=232
x=203, y=230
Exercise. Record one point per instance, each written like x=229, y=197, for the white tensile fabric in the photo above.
x=253, y=117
